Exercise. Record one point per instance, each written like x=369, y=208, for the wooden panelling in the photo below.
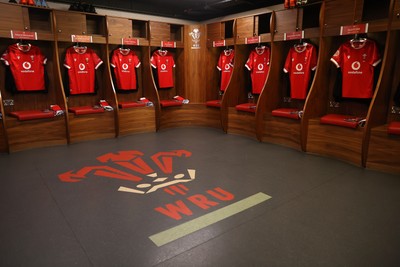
x=241, y=123
x=118, y=28
x=335, y=141
x=215, y=31
x=282, y=131
x=68, y=23
x=195, y=83
x=244, y=29
x=396, y=15
x=338, y=13
x=190, y=115
x=137, y=120
x=285, y=22
x=3, y=138
x=384, y=150
x=91, y=126
x=159, y=31
x=11, y=18
x=24, y=135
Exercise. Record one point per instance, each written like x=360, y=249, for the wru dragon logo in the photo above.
x=146, y=178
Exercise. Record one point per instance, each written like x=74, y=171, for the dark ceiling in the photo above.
x=195, y=10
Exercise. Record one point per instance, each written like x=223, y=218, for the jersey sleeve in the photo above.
x=336, y=58
x=219, y=65
x=96, y=60
x=288, y=62
x=153, y=61
x=113, y=62
x=136, y=61
x=68, y=60
x=249, y=62
x=314, y=59
x=376, y=58
x=5, y=58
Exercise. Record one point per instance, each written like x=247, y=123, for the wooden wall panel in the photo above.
x=334, y=141
x=118, y=28
x=195, y=65
x=245, y=28
x=159, y=31
x=137, y=120
x=24, y=135
x=241, y=123
x=91, y=126
x=282, y=131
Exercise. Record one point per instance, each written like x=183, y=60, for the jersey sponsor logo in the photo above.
x=355, y=66
x=125, y=66
x=27, y=67
x=227, y=67
x=260, y=67
x=299, y=67
x=82, y=66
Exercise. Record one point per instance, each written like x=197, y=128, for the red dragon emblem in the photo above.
x=136, y=170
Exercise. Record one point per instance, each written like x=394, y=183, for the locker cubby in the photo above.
x=347, y=144
x=241, y=122
x=133, y=115
x=76, y=23
x=25, y=18
x=381, y=152
x=220, y=31
x=252, y=26
x=90, y=126
x=21, y=134
x=165, y=32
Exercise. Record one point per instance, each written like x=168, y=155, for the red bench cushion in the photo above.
x=247, y=107
x=214, y=103
x=170, y=103
x=131, y=104
x=25, y=115
x=85, y=110
x=286, y=113
x=394, y=127
x=341, y=120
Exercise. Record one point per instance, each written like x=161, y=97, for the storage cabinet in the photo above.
x=87, y=120
x=27, y=119
x=131, y=37
x=348, y=144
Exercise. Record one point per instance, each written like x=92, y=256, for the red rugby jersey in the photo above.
x=81, y=63
x=357, y=61
x=225, y=65
x=300, y=61
x=124, y=62
x=258, y=65
x=164, y=62
x=26, y=63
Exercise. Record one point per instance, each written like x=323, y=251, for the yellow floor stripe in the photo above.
x=194, y=225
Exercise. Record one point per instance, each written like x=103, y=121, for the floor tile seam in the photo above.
x=65, y=218
x=274, y=209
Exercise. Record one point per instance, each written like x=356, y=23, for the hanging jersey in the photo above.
x=300, y=61
x=163, y=62
x=357, y=61
x=225, y=65
x=124, y=62
x=26, y=63
x=258, y=65
x=81, y=62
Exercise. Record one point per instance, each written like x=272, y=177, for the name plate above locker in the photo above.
x=130, y=41
x=82, y=38
x=219, y=43
x=168, y=44
x=252, y=40
x=287, y=36
x=22, y=35
x=354, y=29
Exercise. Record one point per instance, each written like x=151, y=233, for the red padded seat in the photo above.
x=290, y=113
x=214, y=103
x=131, y=104
x=85, y=110
x=25, y=115
x=170, y=103
x=341, y=120
x=394, y=127
x=247, y=107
